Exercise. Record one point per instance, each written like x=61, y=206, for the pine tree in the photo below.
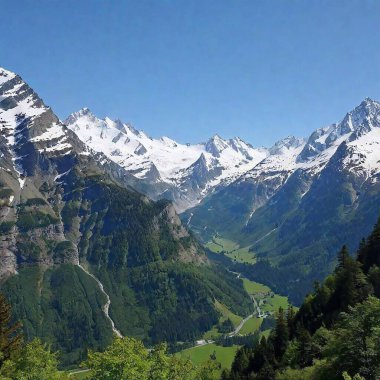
x=343, y=257
x=351, y=285
x=266, y=373
x=304, y=348
x=362, y=252
x=374, y=278
x=10, y=336
x=281, y=334
x=290, y=320
x=241, y=361
x=373, y=248
x=225, y=375
x=259, y=356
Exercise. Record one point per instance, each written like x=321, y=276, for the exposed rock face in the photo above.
x=35, y=147
x=8, y=264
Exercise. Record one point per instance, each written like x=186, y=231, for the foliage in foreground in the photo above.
x=128, y=359
x=34, y=361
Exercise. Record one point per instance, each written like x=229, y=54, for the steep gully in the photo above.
x=107, y=304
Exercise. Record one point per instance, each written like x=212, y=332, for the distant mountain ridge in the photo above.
x=186, y=174
x=183, y=173
x=291, y=203
x=165, y=160
x=296, y=204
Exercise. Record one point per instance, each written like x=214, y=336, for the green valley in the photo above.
x=231, y=250
x=266, y=304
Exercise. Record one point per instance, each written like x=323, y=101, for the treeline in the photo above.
x=250, y=340
x=334, y=335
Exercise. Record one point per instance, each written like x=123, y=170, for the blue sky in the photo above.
x=187, y=69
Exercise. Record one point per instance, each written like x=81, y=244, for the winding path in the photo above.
x=78, y=371
x=241, y=324
x=263, y=237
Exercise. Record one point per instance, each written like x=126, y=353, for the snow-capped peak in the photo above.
x=29, y=128
x=215, y=145
x=367, y=112
x=168, y=141
x=369, y=106
x=5, y=75
x=83, y=112
x=368, y=109
x=284, y=145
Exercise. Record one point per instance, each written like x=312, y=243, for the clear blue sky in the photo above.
x=188, y=69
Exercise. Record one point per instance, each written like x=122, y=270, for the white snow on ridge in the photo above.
x=5, y=75
x=28, y=107
x=233, y=160
x=192, y=170
x=54, y=132
x=281, y=160
x=365, y=153
x=135, y=151
x=364, y=148
x=12, y=117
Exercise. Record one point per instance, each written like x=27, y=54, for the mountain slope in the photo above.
x=297, y=204
x=61, y=212
x=163, y=168
x=334, y=331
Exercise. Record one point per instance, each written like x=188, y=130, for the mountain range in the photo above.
x=83, y=257
x=164, y=168
x=91, y=240
x=295, y=207
x=290, y=204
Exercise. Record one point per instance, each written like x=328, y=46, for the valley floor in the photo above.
x=266, y=305
x=231, y=249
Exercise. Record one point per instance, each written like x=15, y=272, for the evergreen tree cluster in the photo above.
x=334, y=335
x=10, y=338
